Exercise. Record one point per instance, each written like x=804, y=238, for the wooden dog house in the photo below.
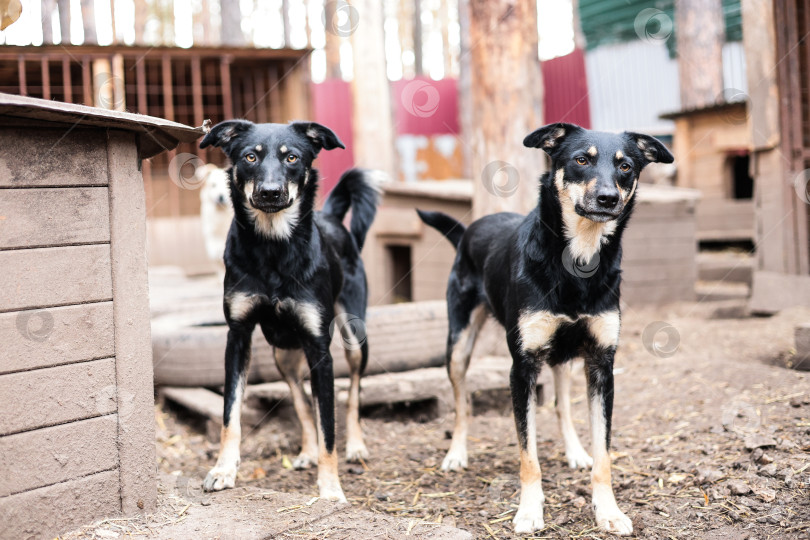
x=77, y=429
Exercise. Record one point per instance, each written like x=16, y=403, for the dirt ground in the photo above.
x=711, y=441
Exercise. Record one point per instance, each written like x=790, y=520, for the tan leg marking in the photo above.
x=292, y=364
x=241, y=304
x=355, y=447
x=536, y=328
x=605, y=328
x=456, y=457
x=608, y=516
x=576, y=455
x=529, y=516
x=328, y=480
x=223, y=475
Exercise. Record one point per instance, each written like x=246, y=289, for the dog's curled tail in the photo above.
x=359, y=189
x=450, y=227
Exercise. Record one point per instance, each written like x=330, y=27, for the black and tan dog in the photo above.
x=527, y=271
x=298, y=275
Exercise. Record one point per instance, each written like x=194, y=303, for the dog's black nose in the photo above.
x=607, y=200
x=271, y=195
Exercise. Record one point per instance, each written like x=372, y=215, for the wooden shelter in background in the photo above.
x=182, y=85
x=778, y=52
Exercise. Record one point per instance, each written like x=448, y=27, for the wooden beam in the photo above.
x=22, y=75
x=46, y=77
x=67, y=81
x=225, y=81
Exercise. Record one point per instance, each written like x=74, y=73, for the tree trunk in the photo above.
x=89, y=22
x=64, y=20
x=141, y=16
x=507, y=97
x=700, y=34
x=47, y=28
x=371, y=95
x=231, y=16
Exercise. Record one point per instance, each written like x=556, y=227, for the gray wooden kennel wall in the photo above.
x=77, y=420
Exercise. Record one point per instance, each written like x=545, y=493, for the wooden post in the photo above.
x=507, y=97
x=133, y=344
x=63, y=6
x=701, y=34
x=371, y=94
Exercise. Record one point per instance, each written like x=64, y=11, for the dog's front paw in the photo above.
x=614, y=521
x=578, y=458
x=220, y=477
x=528, y=521
x=454, y=460
x=304, y=461
x=332, y=494
x=356, y=451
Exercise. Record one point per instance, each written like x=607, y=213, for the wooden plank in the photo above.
x=53, y=217
x=54, y=336
x=36, y=157
x=55, y=276
x=55, y=454
x=49, y=511
x=46, y=397
x=133, y=348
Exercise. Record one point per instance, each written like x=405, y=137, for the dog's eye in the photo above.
x=625, y=167
x=581, y=160
x=251, y=157
x=292, y=158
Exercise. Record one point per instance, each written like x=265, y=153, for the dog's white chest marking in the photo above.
x=538, y=327
x=276, y=226
x=585, y=237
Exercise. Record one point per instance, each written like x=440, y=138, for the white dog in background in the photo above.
x=216, y=212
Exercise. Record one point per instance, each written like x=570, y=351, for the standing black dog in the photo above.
x=528, y=272
x=298, y=275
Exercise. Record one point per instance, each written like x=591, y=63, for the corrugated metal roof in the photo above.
x=614, y=21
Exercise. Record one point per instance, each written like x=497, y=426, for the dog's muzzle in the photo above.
x=270, y=200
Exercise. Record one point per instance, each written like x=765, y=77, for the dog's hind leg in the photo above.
x=355, y=343
x=237, y=360
x=599, y=374
x=293, y=367
x=576, y=455
x=465, y=322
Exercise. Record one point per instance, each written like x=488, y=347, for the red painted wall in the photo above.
x=332, y=107
x=423, y=106
x=566, y=90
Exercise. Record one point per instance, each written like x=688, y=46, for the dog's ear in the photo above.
x=224, y=133
x=321, y=136
x=548, y=138
x=651, y=148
